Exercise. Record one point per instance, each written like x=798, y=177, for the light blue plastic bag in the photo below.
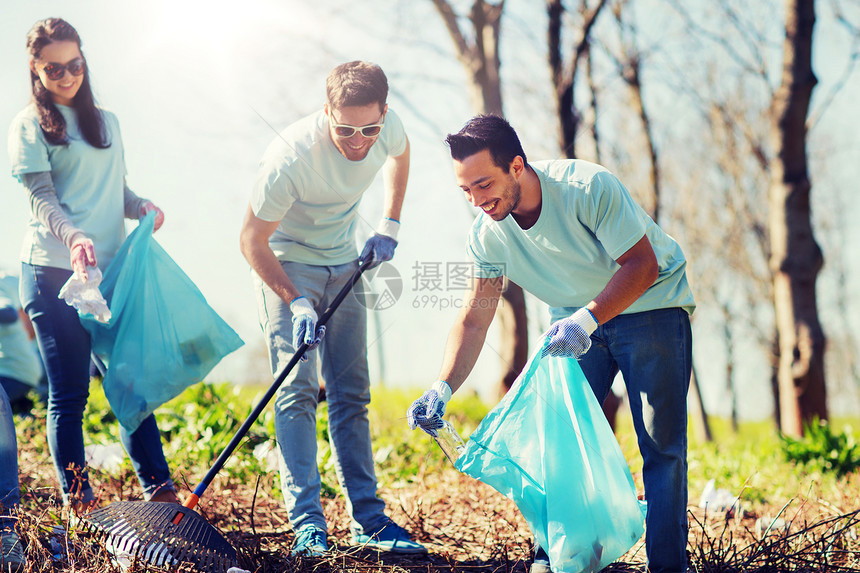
x=162, y=336
x=548, y=447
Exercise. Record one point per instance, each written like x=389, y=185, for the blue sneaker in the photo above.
x=391, y=537
x=310, y=542
x=541, y=561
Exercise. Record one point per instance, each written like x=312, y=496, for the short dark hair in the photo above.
x=356, y=84
x=489, y=132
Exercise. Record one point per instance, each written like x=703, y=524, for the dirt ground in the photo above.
x=466, y=526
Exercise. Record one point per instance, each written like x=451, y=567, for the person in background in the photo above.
x=569, y=232
x=20, y=366
x=299, y=238
x=67, y=153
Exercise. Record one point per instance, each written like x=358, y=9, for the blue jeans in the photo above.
x=17, y=391
x=10, y=495
x=342, y=360
x=653, y=351
x=65, y=348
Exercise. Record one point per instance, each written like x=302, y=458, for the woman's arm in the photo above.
x=132, y=203
x=136, y=207
x=45, y=206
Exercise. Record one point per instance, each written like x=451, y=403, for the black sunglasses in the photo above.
x=55, y=71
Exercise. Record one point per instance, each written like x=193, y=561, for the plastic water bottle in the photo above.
x=450, y=441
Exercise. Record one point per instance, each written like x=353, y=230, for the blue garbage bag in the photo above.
x=548, y=447
x=162, y=336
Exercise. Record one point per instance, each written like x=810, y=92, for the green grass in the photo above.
x=197, y=426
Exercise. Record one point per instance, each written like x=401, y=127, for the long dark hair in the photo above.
x=52, y=122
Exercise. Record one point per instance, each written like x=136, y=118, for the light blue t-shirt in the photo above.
x=18, y=357
x=314, y=191
x=89, y=184
x=588, y=219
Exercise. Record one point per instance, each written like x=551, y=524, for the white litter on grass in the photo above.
x=268, y=453
x=382, y=454
x=107, y=458
x=237, y=570
x=771, y=526
x=714, y=499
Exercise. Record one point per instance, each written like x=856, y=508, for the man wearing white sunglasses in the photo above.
x=299, y=238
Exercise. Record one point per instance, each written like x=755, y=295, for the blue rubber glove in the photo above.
x=426, y=412
x=380, y=246
x=571, y=336
x=305, y=325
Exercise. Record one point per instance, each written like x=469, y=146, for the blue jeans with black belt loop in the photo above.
x=65, y=348
x=653, y=352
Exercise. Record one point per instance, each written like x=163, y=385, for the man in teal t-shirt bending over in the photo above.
x=299, y=238
x=618, y=295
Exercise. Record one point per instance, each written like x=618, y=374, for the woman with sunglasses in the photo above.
x=68, y=154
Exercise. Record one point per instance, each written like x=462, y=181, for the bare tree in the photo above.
x=630, y=65
x=564, y=77
x=478, y=51
x=796, y=258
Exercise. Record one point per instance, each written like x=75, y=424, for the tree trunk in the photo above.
x=564, y=80
x=796, y=257
x=701, y=426
x=481, y=60
x=513, y=322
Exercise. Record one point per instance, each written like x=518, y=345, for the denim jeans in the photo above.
x=342, y=360
x=9, y=492
x=65, y=348
x=653, y=351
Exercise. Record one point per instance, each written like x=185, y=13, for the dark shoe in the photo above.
x=541, y=561
x=391, y=538
x=311, y=541
x=12, y=558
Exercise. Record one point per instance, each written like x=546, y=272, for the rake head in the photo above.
x=162, y=534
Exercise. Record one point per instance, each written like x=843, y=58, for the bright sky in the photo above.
x=198, y=92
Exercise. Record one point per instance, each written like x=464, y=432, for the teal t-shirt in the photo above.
x=19, y=359
x=305, y=183
x=588, y=219
x=88, y=181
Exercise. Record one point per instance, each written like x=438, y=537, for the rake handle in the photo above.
x=194, y=498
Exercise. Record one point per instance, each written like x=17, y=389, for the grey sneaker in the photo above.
x=311, y=541
x=391, y=537
x=12, y=560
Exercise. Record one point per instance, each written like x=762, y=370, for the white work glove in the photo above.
x=380, y=246
x=305, y=325
x=571, y=336
x=426, y=412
